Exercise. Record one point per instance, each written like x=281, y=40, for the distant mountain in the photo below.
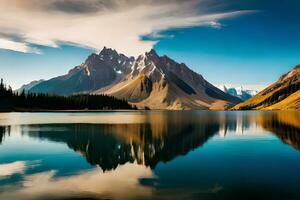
x=240, y=92
x=28, y=86
x=148, y=81
x=281, y=95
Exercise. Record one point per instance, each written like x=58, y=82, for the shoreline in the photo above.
x=62, y=111
x=121, y=110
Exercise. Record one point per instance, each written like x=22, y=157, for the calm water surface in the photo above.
x=150, y=155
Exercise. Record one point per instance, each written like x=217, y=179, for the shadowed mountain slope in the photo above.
x=153, y=81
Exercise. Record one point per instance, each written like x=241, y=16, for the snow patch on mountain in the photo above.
x=242, y=92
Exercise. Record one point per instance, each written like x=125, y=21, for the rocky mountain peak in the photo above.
x=109, y=60
x=91, y=58
x=108, y=51
x=149, y=64
x=223, y=88
x=150, y=80
x=152, y=54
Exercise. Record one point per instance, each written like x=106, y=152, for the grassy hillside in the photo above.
x=281, y=95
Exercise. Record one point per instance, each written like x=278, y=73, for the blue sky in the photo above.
x=251, y=42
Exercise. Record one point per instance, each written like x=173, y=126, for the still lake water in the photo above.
x=150, y=155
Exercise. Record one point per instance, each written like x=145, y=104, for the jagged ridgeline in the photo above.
x=14, y=101
x=150, y=80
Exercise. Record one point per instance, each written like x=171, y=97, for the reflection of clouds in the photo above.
x=119, y=184
x=61, y=118
x=9, y=169
x=159, y=135
x=18, y=167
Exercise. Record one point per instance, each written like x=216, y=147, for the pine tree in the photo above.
x=12, y=101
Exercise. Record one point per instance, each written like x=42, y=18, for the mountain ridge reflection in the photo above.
x=162, y=137
x=285, y=125
x=109, y=146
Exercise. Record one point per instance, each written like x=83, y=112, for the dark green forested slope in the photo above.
x=13, y=101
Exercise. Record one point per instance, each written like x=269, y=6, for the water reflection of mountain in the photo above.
x=236, y=123
x=285, y=125
x=111, y=145
x=161, y=137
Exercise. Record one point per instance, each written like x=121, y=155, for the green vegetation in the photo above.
x=13, y=101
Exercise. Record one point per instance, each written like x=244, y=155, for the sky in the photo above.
x=248, y=42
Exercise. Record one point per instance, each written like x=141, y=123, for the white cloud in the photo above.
x=119, y=24
x=17, y=46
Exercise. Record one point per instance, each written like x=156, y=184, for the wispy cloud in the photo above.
x=119, y=24
x=17, y=46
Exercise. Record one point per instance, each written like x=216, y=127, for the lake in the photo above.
x=150, y=155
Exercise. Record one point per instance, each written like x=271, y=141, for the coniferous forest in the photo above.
x=14, y=101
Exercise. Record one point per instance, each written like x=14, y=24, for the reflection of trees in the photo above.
x=3, y=131
x=285, y=125
x=111, y=145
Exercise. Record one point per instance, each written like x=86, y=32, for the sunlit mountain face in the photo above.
x=281, y=95
x=149, y=100
x=156, y=154
x=149, y=80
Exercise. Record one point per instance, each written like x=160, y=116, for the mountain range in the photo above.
x=148, y=81
x=158, y=82
x=284, y=94
x=240, y=92
x=27, y=87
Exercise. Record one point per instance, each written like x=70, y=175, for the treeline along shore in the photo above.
x=15, y=101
